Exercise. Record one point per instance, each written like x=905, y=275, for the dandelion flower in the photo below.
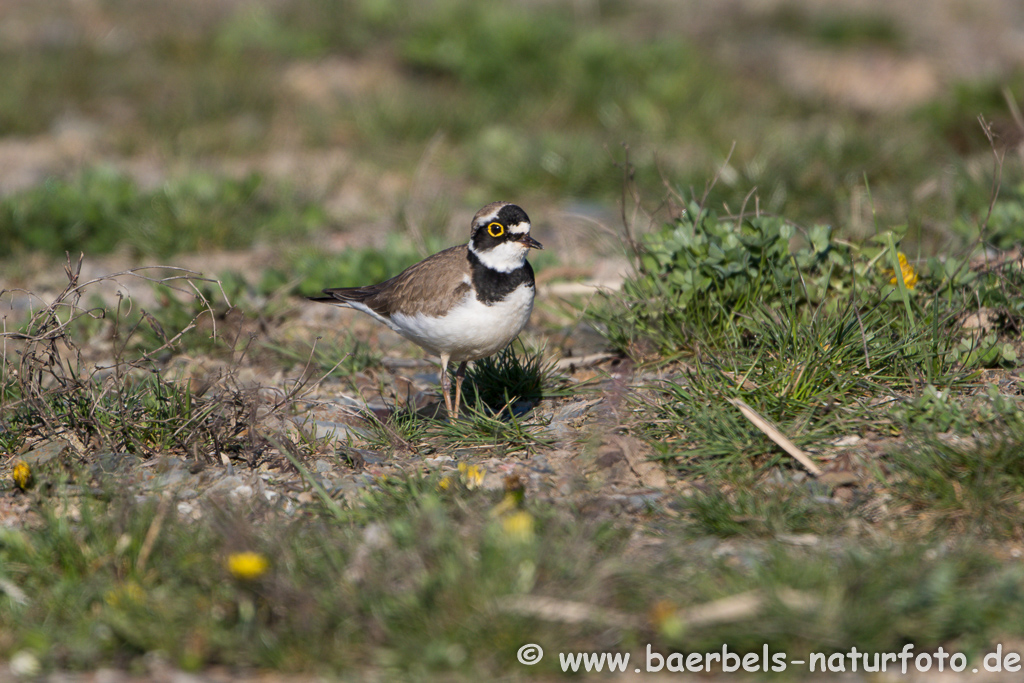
x=518, y=526
x=22, y=475
x=247, y=566
x=906, y=270
x=472, y=475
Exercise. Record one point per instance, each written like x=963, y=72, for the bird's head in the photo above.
x=500, y=236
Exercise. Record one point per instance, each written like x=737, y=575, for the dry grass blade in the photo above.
x=564, y=611
x=743, y=606
x=579, y=362
x=287, y=448
x=12, y=591
x=153, y=532
x=773, y=433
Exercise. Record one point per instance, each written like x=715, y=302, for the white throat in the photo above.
x=504, y=258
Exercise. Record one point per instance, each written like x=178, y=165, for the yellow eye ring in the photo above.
x=495, y=229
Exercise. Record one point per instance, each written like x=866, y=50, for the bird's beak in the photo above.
x=530, y=242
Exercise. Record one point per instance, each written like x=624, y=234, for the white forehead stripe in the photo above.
x=492, y=216
x=520, y=228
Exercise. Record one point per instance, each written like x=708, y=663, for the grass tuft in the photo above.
x=511, y=377
x=972, y=484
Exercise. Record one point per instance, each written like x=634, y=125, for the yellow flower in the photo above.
x=906, y=270
x=508, y=504
x=22, y=475
x=444, y=484
x=472, y=475
x=247, y=566
x=518, y=526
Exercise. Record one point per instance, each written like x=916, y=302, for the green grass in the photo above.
x=401, y=430
x=512, y=375
x=416, y=587
x=102, y=211
x=504, y=432
x=414, y=575
x=838, y=28
x=525, y=99
x=147, y=415
x=973, y=485
x=337, y=358
x=316, y=603
x=499, y=395
x=811, y=336
x=699, y=276
x=705, y=280
x=128, y=400
x=752, y=509
x=936, y=411
x=424, y=579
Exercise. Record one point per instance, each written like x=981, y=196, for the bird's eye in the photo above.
x=495, y=229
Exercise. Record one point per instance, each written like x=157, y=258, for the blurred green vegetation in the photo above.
x=432, y=578
x=841, y=28
x=530, y=99
x=102, y=210
x=308, y=270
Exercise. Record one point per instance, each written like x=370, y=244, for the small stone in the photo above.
x=165, y=480
x=24, y=664
x=839, y=478
x=189, y=510
x=843, y=495
x=48, y=452
x=109, y=462
x=241, y=494
x=109, y=676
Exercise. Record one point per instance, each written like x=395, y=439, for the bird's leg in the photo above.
x=460, y=375
x=446, y=385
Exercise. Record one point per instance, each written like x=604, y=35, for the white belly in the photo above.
x=471, y=330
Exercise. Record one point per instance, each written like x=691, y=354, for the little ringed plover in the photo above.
x=463, y=303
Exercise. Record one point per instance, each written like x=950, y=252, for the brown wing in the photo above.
x=431, y=287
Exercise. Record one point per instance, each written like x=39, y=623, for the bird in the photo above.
x=461, y=304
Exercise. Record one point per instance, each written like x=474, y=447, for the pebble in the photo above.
x=45, y=453
x=561, y=420
x=24, y=664
x=240, y=494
